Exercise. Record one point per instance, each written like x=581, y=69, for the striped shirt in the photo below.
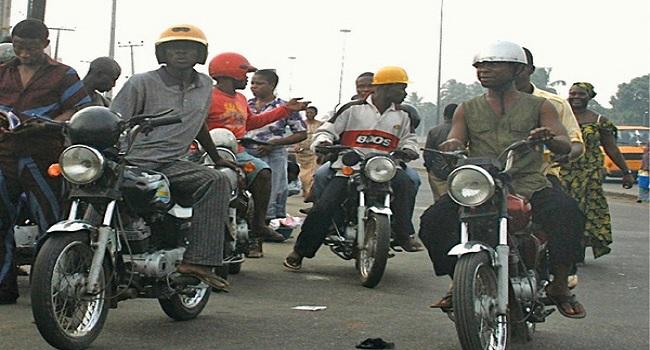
x=54, y=89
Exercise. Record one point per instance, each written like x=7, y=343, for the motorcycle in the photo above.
x=123, y=238
x=502, y=271
x=361, y=230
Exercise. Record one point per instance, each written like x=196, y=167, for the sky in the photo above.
x=603, y=42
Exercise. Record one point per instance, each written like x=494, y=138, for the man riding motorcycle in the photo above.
x=487, y=124
x=176, y=85
x=229, y=109
x=375, y=124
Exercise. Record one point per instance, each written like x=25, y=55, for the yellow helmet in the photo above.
x=390, y=75
x=186, y=32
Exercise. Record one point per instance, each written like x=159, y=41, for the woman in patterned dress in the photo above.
x=582, y=177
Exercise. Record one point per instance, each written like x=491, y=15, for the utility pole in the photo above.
x=36, y=9
x=131, y=45
x=56, y=45
x=5, y=18
x=291, y=60
x=111, y=44
x=345, y=33
x=439, y=65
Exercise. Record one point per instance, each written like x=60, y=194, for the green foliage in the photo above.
x=630, y=104
x=542, y=79
x=427, y=111
x=453, y=91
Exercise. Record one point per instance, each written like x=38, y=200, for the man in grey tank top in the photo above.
x=488, y=124
x=176, y=85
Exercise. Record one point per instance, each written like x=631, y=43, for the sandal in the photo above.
x=445, y=303
x=293, y=262
x=208, y=277
x=566, y=303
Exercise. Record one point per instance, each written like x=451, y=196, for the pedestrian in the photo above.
x=304, y=155
x=433, y=162
x=177, y=86
x=486, y=125
x=552, y=162
x=376, y=117
x=642, y=176
x=275, y=154
x=582, y=177
x=101, y=77
x=229, y=109
x=34, y=91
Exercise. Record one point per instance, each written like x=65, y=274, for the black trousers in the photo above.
x=320, y=217
x=556, y=212
x=26, y=174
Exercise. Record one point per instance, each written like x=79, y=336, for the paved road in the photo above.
x=257, y=313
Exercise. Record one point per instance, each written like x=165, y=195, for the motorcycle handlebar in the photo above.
x=160, y=121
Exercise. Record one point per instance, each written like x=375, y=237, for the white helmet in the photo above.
x=224, y=138
x=501, y=51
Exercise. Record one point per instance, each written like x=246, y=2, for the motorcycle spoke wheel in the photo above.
x=66, y=315
x=475, y=305
x=371, y=262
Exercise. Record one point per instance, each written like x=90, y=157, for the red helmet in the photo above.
x=230, y=64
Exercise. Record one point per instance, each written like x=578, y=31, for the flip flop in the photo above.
x=291, y=266
x=570, y=300
x=210, y=279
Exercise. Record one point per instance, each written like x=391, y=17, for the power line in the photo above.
x=131, y=45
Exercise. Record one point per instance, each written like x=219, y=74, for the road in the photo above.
x=257, y=313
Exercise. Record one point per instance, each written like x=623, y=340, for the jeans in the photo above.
x=277, y=161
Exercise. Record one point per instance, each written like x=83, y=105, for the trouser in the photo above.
x=29, y=175
x=556, y=212
x=316, y=225
x=438, y=187
x=208, y=192
x=325, y=173
x=277, y=161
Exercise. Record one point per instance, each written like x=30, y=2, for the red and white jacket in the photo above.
x=359, y=124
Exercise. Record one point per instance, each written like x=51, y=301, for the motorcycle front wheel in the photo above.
x=182, y=307
x=475, y=304
x=371, y=261
x=65, y=314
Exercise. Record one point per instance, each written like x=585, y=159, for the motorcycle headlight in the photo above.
x=380, y=169
x=81, y=164
x=470, y=185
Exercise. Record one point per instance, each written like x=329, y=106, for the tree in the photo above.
x=453, y=91
x=542, y=79
x=427, y=111
x=630, y=104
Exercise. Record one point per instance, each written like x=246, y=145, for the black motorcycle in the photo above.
x=361, y=229
x=498, y=293
x=123, y=238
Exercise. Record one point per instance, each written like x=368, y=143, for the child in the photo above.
x=642, y=178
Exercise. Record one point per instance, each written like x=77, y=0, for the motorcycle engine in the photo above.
x=157, y=264
x=525, y=288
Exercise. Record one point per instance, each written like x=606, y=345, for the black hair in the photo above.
x=529, y=57
x=314, y=108
x=366, y=74
x=31, y=29
x=269, y=75
x=105, y=64
x=448, y=113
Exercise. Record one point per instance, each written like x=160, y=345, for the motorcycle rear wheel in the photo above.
x=184, y=307
x=475, y=304
x=371, y=262
x=66, y=316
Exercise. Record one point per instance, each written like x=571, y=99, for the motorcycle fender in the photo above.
x=472, y=247
x=384, y=211
x=180, y=212
x=70, y=226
